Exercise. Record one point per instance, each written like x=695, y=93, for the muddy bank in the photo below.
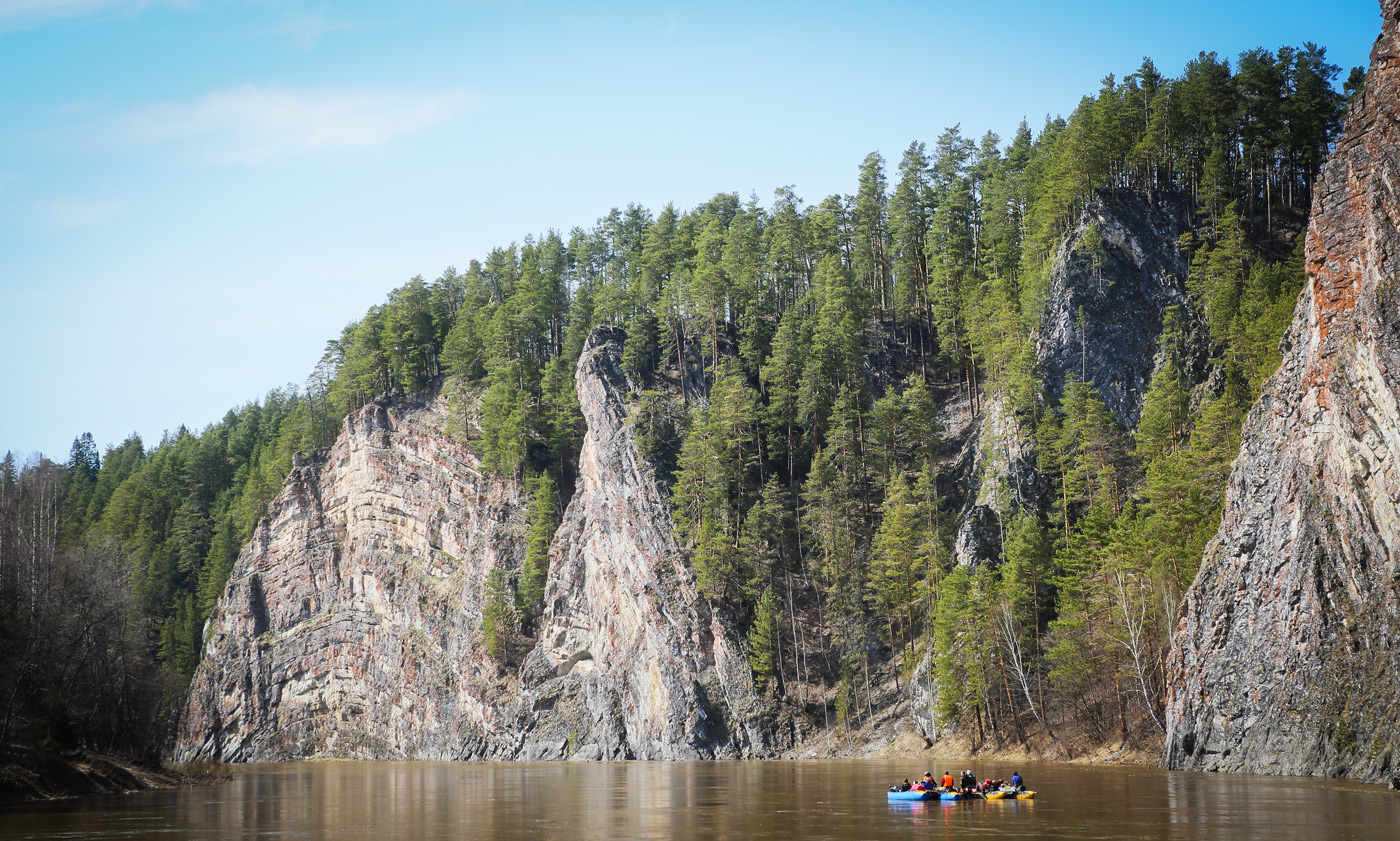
x=34, y=774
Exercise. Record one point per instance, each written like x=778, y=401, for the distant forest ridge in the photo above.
x=796, y=460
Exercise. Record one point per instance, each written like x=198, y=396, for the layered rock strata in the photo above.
x=1287, y=655
x=351, y=625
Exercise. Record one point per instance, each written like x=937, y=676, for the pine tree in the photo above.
x=499, y=619
x=544, y=520
x=895, y=567
x=764, y=640
x=1167, y=404
x=870, y=226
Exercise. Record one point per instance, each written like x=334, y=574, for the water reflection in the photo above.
x=839, y=800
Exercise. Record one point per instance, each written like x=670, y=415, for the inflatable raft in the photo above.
x=911, y=795
x=897, y=796
x=1009, y=795
x=1004, y=794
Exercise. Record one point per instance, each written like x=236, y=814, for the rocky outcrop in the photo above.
x=1287, y=655
x=1117, y=271
x=351, y=623
x=1004, y=477
x=623, y=622
x=922, y=690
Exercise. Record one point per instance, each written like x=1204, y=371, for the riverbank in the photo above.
x=28, y=773
x=903, y=742
x=887, y=731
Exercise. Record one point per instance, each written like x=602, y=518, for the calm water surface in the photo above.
x=815, y=800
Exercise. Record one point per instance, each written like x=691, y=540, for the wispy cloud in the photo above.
x=306, y=30
x=252, y=125
x=80, y=213
x=18, y=14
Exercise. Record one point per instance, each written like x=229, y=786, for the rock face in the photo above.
x=1121, y=268
x=1005, y=478
x=351, y=624
x=624, y=628
x=1287, y=656
x=1117, y=272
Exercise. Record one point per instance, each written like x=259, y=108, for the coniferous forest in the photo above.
x=796, y=364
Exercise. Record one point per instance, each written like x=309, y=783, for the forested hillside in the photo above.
x=790, y=362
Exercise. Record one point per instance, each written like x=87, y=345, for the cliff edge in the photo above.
x=351, y=624
x=1287, y=655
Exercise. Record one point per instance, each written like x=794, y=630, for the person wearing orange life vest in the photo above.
x=948, y=780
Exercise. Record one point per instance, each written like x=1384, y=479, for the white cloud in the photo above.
x=80, y=213
x=306, y=30
x=252, y=125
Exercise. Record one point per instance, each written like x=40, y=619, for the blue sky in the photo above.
x=196, y=195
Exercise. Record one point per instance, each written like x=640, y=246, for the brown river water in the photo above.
x=826, y=799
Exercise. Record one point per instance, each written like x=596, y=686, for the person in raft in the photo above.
x=948, y=780
x=1017, y=782
x=968, y=781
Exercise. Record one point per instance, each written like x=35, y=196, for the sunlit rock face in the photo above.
x=623, y=621
x=1287, y=656
x=351, y=624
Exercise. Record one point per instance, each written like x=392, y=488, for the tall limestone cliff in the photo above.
x=1287, y=655
x=624, y=627
x=351, y=624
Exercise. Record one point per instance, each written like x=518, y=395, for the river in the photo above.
x=812, y=800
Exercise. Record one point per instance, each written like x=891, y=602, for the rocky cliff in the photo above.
x=349, y=626
x=1287, y=655
x=1117, y=270
x=624, y=632
x=351, y=623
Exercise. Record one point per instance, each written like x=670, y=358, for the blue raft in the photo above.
x=897, y=796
